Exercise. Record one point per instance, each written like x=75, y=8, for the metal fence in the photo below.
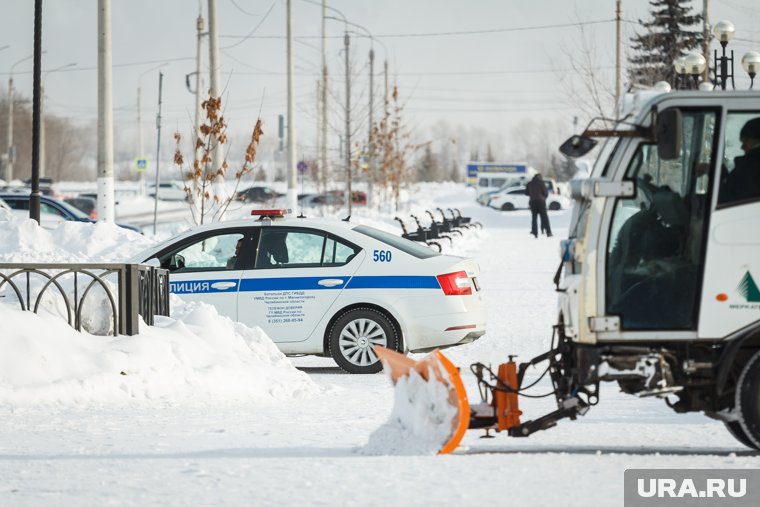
x=126, y=291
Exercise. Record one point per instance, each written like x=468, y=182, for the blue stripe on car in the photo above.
x=306, y=283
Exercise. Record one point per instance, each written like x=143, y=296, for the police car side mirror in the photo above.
x=176, y=262
x=668, y=132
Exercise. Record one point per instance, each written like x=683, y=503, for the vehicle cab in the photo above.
x=655, y=252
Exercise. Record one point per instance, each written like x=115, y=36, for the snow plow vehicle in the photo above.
x=658, y=280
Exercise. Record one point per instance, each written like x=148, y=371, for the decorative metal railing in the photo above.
x=103, y=299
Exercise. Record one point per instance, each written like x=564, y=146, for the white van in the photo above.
x=490, y=176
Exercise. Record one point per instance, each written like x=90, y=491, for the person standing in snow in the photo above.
x=536, y=190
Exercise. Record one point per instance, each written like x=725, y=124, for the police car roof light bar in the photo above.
x=269, y=212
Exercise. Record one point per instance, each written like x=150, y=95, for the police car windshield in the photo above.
x=405, y=245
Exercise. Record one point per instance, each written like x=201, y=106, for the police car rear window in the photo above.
x=405, y=245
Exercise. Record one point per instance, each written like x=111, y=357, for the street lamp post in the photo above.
x=724, y=32
x=140, y=140
x=751, y=64
x=695, y=65
x=346, y=46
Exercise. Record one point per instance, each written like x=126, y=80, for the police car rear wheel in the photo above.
x=507, y=206
x=554, y=206
x=353, y=335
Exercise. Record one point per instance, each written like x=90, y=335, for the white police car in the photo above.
x=327, y=287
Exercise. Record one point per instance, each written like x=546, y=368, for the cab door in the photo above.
x=657, y=238
x=731, y=298
x=208, y=267
x=298, y=274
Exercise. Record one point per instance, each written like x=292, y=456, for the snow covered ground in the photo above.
x=200, y=411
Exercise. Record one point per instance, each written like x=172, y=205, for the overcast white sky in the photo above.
x=504, y=70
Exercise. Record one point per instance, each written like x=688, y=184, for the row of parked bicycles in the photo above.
x=437, y=228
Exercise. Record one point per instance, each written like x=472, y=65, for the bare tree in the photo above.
x=586, y=85
x=205, y=184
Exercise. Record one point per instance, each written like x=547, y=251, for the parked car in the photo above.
x=169, y=191
x=258, y=194
x=87, y=205
x=52, y=211
x=516, y=198
x=484, y=198
x=333, y=198
x=327, y=287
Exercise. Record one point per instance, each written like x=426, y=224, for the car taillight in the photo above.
x=455, y=284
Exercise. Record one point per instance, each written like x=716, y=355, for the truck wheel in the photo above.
x=354, y=333
x=747, y=401
x=507, y=206
x=735, y=428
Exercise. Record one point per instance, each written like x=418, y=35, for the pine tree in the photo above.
x=667, y=38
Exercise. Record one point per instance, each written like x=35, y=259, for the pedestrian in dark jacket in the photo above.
x=536, y=190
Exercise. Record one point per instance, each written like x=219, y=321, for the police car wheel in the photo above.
x=747, y=401
x=554, y=206
x=352, y=336
x=507, y=206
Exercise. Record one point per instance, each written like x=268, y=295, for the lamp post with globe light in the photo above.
x=751, y=64
x=724, y=32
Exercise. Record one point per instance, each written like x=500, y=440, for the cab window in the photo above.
x=656, y=243
x=740, y=170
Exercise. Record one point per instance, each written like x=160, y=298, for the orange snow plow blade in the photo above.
x=442, y=371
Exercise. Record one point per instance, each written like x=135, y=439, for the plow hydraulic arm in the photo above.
x=498, y=408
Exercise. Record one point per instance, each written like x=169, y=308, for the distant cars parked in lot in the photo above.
x=169, y=191
x=485, y=197
x=332, y=198
x=258, y=194
x=52, y=211
x=516, y=198
x=327, y=287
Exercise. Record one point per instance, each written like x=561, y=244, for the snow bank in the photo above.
x=194, y=354
x=25, y=241
x=421, y=420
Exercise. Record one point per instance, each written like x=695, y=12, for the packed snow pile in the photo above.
x=195, y=353
x=22, y=240
x=421, y=421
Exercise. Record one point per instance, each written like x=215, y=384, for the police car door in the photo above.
x=206, y=267
x=298, y=274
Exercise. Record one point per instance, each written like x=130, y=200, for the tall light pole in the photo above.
x=323, y=131
x=198, y=82
x=105, y=115
x=42, y=117
x=34, y=197
x=140, y=137
x=292, y=196
x=11, y=149
x=217, y=154
x=618, y=57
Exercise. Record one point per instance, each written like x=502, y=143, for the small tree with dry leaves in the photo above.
x=205, y=184
x=390, y=147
